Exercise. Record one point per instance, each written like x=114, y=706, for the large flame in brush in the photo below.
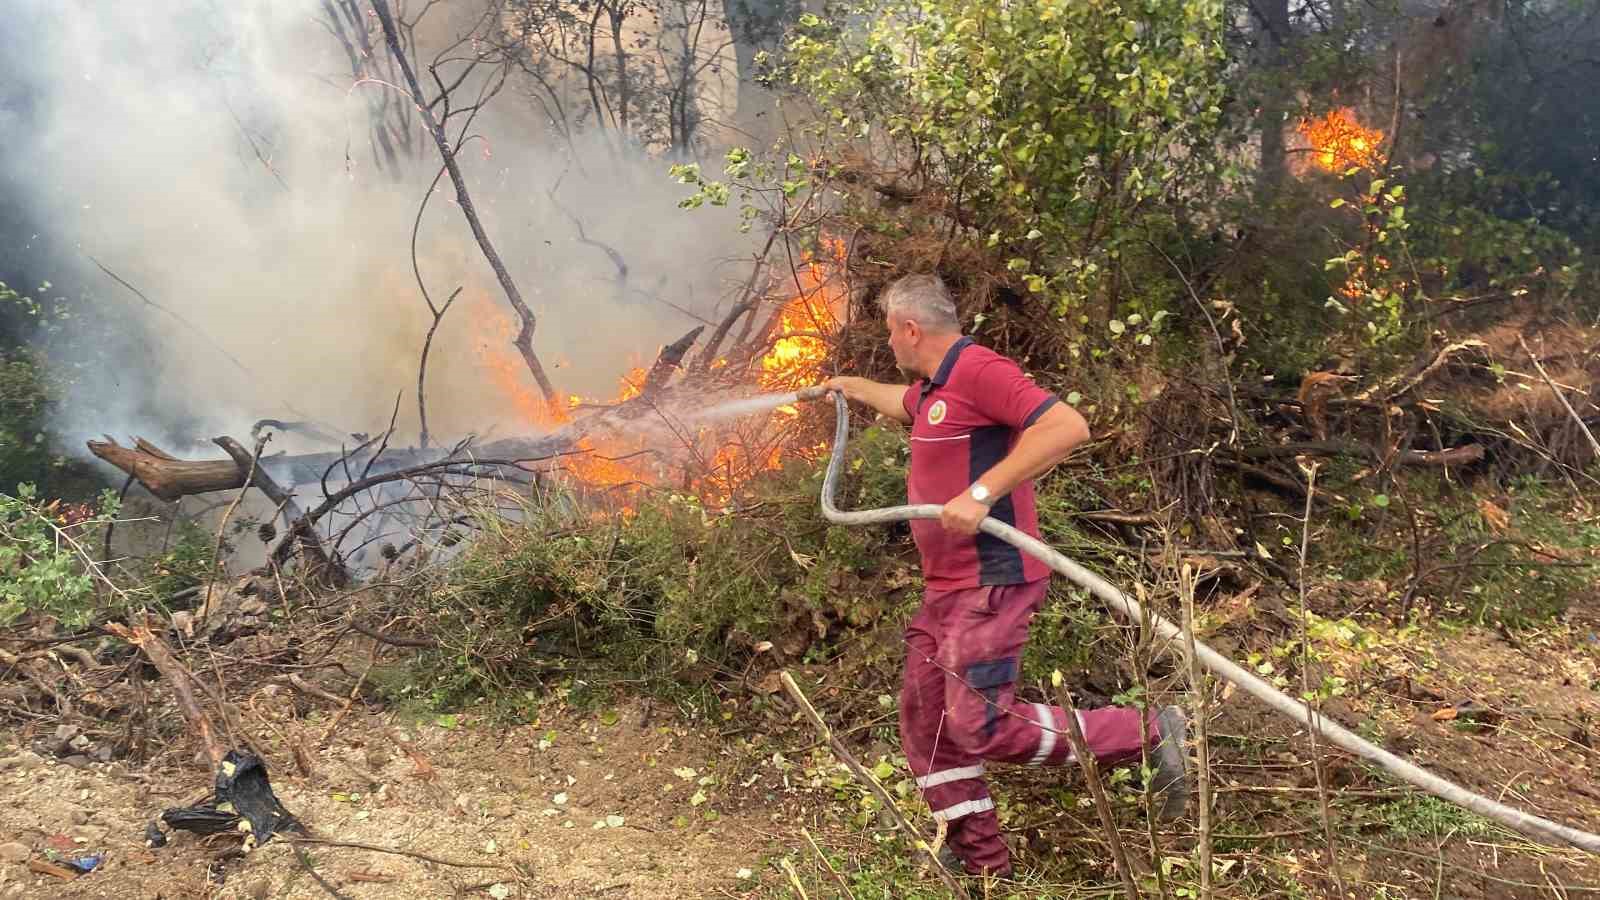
x=1338, y=141
x=714, y=460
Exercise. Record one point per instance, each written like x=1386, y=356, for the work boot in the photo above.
x=953, y=863
x=1170, y=759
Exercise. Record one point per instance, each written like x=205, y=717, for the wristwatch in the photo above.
x=981, y=494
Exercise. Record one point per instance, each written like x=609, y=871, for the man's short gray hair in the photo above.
x=923, y=299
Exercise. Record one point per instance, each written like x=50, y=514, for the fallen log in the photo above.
x=170, y=478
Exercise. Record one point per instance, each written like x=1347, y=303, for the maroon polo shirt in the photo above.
x=964, y=419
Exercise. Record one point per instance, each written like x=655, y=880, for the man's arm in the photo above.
x=1043, y=444
x=887, y=399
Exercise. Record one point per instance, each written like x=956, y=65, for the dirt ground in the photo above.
x=620, y=804
x=635, y=801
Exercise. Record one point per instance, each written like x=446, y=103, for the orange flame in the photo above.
x=724, y=457
x=1338, y=141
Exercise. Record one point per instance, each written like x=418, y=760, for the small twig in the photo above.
x=372, y=660
x=305, y=862
x=394, y=640
x=1197, y=684
x=1593, y=444
x=307, y=687
x=222, y=527
x=295, y=839
x=794, y=878
x=181, y=680
x=1091, y=775
x=837, y=878
x=111, y=526
x=40, y=867
x=865, y=777
x=1313, y=701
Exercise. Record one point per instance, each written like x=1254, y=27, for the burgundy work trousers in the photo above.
x=958, y=709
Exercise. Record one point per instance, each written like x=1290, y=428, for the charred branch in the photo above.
x=670, y=360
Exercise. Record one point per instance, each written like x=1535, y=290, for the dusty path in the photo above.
x=613, y=803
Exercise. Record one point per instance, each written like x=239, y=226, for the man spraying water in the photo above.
x=981, y=431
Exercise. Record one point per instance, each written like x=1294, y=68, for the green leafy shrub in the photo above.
x=187, y=563
x=24, y=399
x=670, y=590
x=41, y=569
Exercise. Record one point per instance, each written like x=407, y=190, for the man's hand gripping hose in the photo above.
x=1214, y=662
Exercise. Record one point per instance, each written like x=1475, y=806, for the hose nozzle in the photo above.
x=815, y=392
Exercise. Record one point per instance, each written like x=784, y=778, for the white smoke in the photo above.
x=216, y=156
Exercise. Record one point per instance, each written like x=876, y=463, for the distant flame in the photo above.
x=1339, y=142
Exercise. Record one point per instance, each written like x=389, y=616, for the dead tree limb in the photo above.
x=1389, y=391
x=865, y=777
x=305, y=532
x=171, y=478
x=181, y=680
x=250, y=464
x=749, y=299
x=1449, y=456
x=524, y=339
x=670, y=360
x=422, y=368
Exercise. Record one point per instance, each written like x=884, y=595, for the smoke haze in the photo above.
x=216, y=156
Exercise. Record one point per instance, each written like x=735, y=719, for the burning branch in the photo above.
x=670, y=360
x=524, y=339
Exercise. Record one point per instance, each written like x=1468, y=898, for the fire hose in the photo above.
x=1214, y=662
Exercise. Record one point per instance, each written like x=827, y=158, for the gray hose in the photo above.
x=1219, y=665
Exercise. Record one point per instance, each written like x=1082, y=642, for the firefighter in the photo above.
x=981, y=431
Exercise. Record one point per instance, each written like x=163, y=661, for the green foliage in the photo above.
x=1474, y=570
x=1376, y=290
x=669, y=590
x=1415, y=814
x=31, y=384
x=1068, y=126
x=187, y=563
x=24, y=399
x=40, y=570
x=25, y=396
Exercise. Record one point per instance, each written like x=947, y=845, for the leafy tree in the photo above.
x=1059, y=131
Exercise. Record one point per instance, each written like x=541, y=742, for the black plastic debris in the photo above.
x=242, y=793
x=154, y=836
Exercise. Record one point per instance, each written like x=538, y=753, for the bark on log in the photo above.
x=170, y=478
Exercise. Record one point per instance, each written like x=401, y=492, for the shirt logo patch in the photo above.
x=936, y=412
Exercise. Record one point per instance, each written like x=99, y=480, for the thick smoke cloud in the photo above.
x=216, y=156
